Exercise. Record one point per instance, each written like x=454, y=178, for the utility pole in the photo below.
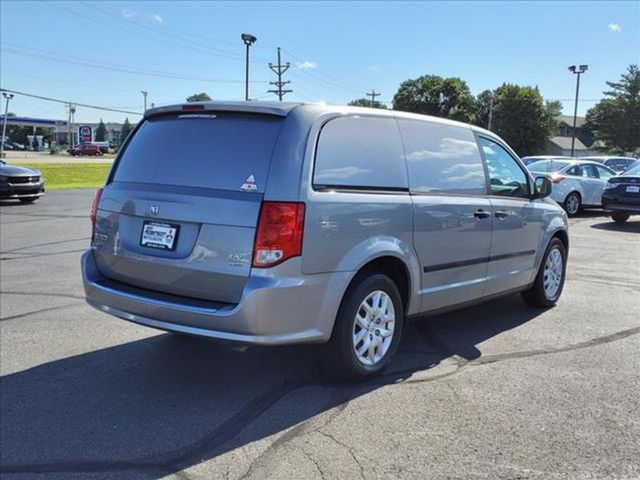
x=577, y=71
x=69, y=134
x=144, y=94
x=373, y=96
x=490, y=123
x=279, y=69
x=72, y=119
x=7, y=96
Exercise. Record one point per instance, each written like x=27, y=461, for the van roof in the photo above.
x=283, y=109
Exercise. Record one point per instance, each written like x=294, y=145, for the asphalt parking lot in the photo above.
x=494, y=391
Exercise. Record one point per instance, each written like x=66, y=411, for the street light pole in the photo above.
x=248, y=40
x=144, y=94
x=7, y=96
x=577, y=71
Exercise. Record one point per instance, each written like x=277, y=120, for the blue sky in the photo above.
x=338, y=50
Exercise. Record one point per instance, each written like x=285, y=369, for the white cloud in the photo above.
x=614, y=27
x=157, y=18
x=307, y=65
x=128, y=14
x=374, y=68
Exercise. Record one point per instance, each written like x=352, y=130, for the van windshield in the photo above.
x=219, y=151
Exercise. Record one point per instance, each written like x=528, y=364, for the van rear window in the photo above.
x=221, y=151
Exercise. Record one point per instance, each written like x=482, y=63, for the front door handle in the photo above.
x=501, y=214
x=481, y=214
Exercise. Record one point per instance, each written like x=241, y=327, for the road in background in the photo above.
x=495, y=391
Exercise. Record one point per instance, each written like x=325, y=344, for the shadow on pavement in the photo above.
x=630, y=225
x=159, y=405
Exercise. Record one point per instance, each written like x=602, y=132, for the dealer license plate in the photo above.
x=633, y=188
x=159, y=235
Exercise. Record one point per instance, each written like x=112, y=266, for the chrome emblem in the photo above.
x=154, y=210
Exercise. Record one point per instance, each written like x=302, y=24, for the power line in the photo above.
x=279, y=70
x=85, y=62
x=67, y=102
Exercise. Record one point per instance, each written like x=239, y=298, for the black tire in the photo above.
x=27, y=200
x=342, y=362
x=620, y=217
x=568, y=204
x=536, y=296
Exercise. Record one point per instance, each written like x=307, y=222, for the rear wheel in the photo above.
x=572, y=204
x=549, y=282
x=367, y=330
x=620, y=217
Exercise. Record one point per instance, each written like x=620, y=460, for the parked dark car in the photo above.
x=617, y=164
x=17, y=146
x=621, y=195
x=7, y=146
x=80, y=150
x=20, y=183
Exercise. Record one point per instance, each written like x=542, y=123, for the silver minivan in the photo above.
x=276, y=223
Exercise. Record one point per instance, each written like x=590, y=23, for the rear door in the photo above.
x=517, y=223
x=179, y=212
x=604, y=174
x=452, y=219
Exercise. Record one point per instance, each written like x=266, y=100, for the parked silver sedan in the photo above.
x=576, y=183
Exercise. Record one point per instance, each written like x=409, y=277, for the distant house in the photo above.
x=560, y=144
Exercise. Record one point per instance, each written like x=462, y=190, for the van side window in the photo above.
x=506, y=177
x=442, y=158
x=360, y=152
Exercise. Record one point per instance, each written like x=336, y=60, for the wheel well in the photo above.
x=563, y=237
x=392, y=267
x=573, y=191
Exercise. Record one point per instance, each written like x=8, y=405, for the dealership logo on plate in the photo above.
x=154, y=210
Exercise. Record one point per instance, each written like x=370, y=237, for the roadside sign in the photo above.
x=85, y=133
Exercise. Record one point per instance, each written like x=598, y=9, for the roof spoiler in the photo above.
x=265, y=108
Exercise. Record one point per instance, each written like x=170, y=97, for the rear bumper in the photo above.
x=621, y=203
x=273, y=310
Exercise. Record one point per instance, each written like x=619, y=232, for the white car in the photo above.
x=576, y=183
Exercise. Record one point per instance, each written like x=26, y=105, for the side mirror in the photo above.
x=543, y=187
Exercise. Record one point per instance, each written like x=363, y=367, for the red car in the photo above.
x=85, y=150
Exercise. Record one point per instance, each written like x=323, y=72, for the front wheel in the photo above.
x=549, y=282
x=367, y=330
x=620, y=217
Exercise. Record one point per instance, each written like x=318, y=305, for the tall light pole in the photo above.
x=578, y=71
x=7, y=96
x=248, y=40
x=72, y=120
x=144, y=94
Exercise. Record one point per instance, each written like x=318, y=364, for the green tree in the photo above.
x=521, y=117
x=126, y=128
x=434, y=95
x=365, y=102
x=615, y=120
x=101, y=132
x=199, y=97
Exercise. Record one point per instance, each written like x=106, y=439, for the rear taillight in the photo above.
x=557, y=178
x=93, y=214
x=279, y=234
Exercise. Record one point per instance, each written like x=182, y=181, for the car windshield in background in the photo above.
x=201, y=150
x=633, y=170
x=547, y=166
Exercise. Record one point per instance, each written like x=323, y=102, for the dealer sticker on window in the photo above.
x=159, y=235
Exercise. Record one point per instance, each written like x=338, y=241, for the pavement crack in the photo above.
x=38, y=255
x=35, y=312
x=313, y=460
x=44, y=294
x=348, y=448
x=47, y=244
